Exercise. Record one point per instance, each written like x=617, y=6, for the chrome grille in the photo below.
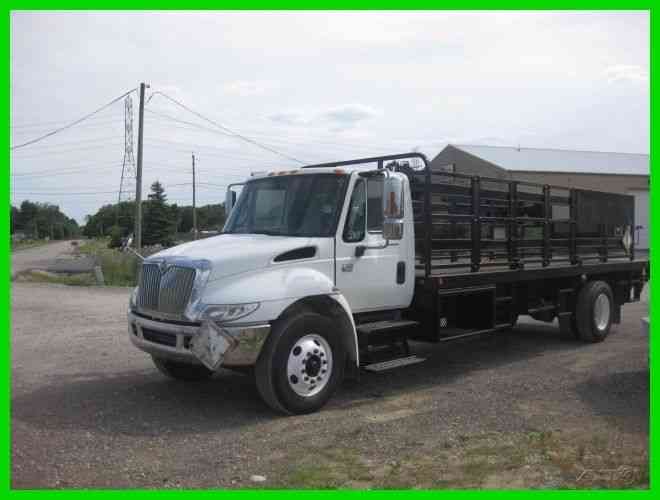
x=165, y=289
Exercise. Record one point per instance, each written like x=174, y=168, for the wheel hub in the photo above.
x=602, y=311
x=309, y=365
x=313, y=366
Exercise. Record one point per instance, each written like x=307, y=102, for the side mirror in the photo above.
x=393, y=207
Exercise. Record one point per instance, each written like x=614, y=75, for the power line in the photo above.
x=197, y=125
x=302, y=141
x=73, y=143
x=52, y=122
x=64, y=193
x=38, y=154
x=61, y=172
x=76, y=122
x=86, y=167
x=190, y=184
x=226, y=129
x=83, y=127
x=82, y=193
x=225, y=153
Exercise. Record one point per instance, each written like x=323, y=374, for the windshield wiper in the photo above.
x=267, y=232
x=261, y=231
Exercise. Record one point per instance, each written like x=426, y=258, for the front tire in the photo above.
x=301, y=364
x=182, y=371
x=593, y=314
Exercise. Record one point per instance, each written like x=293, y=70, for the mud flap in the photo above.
x=210, y=345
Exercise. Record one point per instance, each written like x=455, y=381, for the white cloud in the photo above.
x=249, y=88
x=294, y=118
x=349, y=114
x=627, y=73
x=338, y=117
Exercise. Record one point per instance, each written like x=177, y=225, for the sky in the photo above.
x=310, y=87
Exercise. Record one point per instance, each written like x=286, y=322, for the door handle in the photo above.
x=347, y=268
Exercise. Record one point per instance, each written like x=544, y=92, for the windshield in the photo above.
x=292, y=205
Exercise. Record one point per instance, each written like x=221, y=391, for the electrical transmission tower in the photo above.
x=128, y=172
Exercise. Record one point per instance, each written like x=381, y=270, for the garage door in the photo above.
x=641, y=219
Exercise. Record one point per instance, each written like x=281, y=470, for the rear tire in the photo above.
x=182, y=371
x=571, y=333
x=593, y=314
x=301, y=364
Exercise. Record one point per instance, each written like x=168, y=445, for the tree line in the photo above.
x=161, y=221
x=42, y=220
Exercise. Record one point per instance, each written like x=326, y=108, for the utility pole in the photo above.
x=194, y=205
x=138, y=173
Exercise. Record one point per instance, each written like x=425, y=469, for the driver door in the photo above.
x=382, y=278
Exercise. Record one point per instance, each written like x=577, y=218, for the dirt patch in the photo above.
x=492, y=461
x=41, y=276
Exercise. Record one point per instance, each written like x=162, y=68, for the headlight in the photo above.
x=229, y=312
x=134, y=294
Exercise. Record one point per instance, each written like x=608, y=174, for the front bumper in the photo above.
x=172, y=341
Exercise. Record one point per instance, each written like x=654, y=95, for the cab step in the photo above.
x=385, y=326
x=382, y=341
x=394, y=363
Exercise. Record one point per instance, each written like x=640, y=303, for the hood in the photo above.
x=236, y=253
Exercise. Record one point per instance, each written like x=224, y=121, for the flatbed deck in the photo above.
x=503, y=274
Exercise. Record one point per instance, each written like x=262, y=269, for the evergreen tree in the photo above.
x=122, y=214
x=209, y=217
x=159, y=221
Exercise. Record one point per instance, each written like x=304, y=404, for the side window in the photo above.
x=354, y=228
x=375, y=204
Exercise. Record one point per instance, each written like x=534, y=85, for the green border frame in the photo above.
x=5, y=350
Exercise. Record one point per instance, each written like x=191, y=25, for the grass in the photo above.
x=93, y=246
x=327, y=469
x=82, y=279
x=23, y=244
x=493, y=461
x=119, y=268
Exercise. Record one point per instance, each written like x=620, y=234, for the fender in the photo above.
x=275, y=289
x=280, y=290
x=333, y=305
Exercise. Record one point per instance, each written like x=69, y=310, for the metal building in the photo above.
x=611, y=172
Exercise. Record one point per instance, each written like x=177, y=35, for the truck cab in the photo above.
x=301, y=254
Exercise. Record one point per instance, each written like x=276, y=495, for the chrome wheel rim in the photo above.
x=602, y=311
x=309, y=366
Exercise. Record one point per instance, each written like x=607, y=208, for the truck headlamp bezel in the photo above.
x=227, y=313
x=132, y=303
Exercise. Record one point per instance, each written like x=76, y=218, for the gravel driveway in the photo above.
x=524, y=408
x=39, y=257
